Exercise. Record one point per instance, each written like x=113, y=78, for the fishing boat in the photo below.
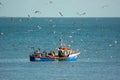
x=64, y=54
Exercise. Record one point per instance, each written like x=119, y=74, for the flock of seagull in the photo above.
x=61, y=14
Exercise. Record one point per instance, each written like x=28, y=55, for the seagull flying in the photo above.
x=60, y=14
x=37, y=11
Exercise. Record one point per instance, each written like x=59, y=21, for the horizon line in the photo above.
x=53, y=17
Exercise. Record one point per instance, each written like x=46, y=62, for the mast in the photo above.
x=61, y=43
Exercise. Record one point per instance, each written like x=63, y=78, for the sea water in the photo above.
x=98, y=40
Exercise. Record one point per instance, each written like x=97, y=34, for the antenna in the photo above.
x=61, y=42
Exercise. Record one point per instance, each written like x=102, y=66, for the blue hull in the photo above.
x=53, y=59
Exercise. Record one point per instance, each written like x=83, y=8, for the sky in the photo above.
x=60, y=8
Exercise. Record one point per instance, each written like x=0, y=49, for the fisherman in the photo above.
x=52, y=53
x=44, y=54
x=37, y=52
x=63, y=52
x=60, y=53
